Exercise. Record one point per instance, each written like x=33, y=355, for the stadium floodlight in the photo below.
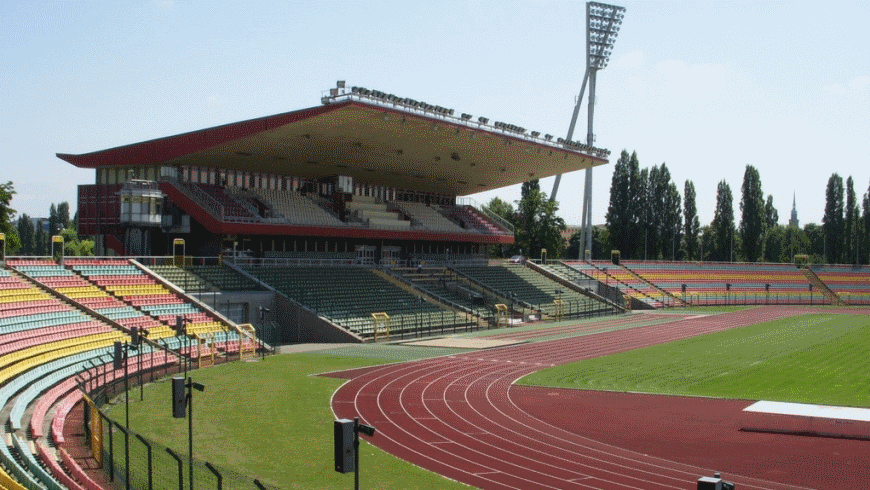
x=602, y=27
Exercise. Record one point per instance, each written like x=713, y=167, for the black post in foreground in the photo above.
x=346, y=441
x=180, y=401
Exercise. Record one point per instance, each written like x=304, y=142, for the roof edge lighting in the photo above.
x=405, y=104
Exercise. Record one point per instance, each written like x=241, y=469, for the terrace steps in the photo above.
x=663, y=292
x=817, y=283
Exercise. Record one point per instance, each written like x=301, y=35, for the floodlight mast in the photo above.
x=602, y=27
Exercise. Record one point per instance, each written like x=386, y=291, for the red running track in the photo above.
x=459, y=415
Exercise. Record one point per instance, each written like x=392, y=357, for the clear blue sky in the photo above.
x=705, y=87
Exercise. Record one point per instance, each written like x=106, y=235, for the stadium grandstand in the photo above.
x=304, y=223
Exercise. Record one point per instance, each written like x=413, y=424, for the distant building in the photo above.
x=793, y=222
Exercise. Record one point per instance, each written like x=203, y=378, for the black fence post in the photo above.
x=180, y=468
x=126, y=454
x=150, y=462
x=107, y=422
x=220, y=479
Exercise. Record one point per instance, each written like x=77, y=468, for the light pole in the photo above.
x=602, y=27
x=180, y=401
x=122, y=357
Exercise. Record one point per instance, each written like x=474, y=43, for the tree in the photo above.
x=867, y=222
x=833, y=221
x=72, y=246
x=506, y=211
x=850, y=224
x=13, y=243
x=620, y=215
x=538, y=226
x=722, y=226
x=503, y=209
x=672, y=220
x=816, y=240
x=752, y=220
x=771, y=213
x=26, y=231
x=41, y=240
x=645, y=224
x=54, y=225
x=63, y=215
x=655, y=210
x=637, y=191
x=692, y=225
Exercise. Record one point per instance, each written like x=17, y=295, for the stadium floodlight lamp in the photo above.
x=602, y=27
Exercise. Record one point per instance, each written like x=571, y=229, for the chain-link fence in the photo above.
x=155, y=466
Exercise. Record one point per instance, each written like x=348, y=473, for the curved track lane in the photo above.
x=455, y=415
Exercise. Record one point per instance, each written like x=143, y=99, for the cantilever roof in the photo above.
x=370, y=142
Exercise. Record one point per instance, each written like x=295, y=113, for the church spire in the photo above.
x=793, y=222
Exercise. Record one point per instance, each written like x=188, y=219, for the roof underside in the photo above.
x=371, y=143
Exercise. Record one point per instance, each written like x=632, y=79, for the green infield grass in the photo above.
x=819, y=358
x=269, y=420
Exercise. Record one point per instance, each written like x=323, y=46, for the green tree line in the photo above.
x=649, y=219
x=33, y=237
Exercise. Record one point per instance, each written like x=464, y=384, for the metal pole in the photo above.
x=126, y=417
x=220, y=478
x=190, y=429
x=356, y=453
x=590, y=140
x=142, y=384
x=571, y=126
x=150, y=462
x=180, y=468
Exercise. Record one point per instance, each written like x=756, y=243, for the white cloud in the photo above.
x=859, y=83
x=692, y=84
x=629, y=61
x=835, y=89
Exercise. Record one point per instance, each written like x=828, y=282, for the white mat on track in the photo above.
x=805, y=410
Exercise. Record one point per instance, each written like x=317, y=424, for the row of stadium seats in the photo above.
x=527, y=286
x=709, y=283
x=48, y=345
x=349, y=295
x=294, y=208
x=850, y=283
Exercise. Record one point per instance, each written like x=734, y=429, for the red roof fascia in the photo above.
x=171, y=147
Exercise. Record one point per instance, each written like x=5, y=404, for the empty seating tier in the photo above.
x=850, y=283
x=528, y=286
x=349, y=295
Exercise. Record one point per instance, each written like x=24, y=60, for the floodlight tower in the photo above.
x=602, y=27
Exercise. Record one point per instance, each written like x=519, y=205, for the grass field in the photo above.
x=270, y=420
x=810, y=359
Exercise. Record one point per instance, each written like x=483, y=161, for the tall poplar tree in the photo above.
x=637, y=190
x=63, y=215
x=770, y=212
x=722, y=226
x=866, y=227
x=692, y=225
x=833, y=221
x=850, y=224
x=26, y=234
x=40, y=247
x=619, y=217
x=752, y=220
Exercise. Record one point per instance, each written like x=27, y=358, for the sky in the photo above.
x=705, y=87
